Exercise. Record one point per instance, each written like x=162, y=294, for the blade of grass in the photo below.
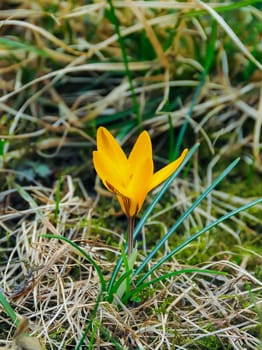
x=128, y=268
x=223, y=8
x=149, y=210
x=8, y=309
x=258, y=311
x=90, y=323
x=115, y=22
x=122, y=285
x=230, y=33
x=185, y=215
x=104, y=332
x=12, y=44
x=92, y=338
x=120, y=117
x=2, y=147
x=117, y=285
x=196, y=235
x=109, y=337
x=255, y=303
x=171, y=147
x=2, y=152
x=168, y=275
x=58, y=197
x=210, y=53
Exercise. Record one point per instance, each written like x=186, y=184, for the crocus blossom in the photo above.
x=132, y=177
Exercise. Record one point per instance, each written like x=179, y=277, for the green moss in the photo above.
x=57, y=335
x=208, y=343
x=242, y=188
x=258, y=270
x=143, y=295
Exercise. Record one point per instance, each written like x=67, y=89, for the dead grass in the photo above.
x=56, y=289
x=63, y=74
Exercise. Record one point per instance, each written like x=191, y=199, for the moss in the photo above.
x=258, y=270
x=208, y=343
x=242, y=188
x=57, y=335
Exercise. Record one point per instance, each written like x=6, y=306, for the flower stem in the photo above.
x=131, y=224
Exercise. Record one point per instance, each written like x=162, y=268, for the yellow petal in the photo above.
x=133, y=196
x=142, y=150
x=165, y=172
x=108, y=145
x=109, y=172
x=138, y=186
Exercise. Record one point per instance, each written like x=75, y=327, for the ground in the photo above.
x=190, y=74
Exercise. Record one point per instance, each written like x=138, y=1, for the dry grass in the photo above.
x=63, y=74
x=56, y=289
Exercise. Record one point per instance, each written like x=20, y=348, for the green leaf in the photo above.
x=142, y=286
x=196, y=235
x=183, y=217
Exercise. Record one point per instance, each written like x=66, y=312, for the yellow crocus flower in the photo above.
x=133, y=177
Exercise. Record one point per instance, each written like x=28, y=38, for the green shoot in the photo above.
x=58, y=197
x=8, y=309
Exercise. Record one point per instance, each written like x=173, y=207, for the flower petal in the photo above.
x=139, y=186
x=109, y=172
x=165, y=172
x=108, y=145
x=142, y=150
